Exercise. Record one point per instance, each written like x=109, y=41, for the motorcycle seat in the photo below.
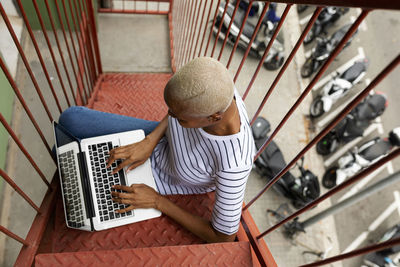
x=379, y=148
x=353, y=72
x=238, y=20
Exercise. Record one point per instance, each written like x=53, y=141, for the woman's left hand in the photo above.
x=137, y=196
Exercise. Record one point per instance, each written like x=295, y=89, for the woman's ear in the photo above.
x=215, y=117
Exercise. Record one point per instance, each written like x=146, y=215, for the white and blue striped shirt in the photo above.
x=192, y=161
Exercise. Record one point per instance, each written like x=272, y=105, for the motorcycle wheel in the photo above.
x=324, y=146
x=307, y=68
x=273, y=64
x=317, y=107
x=298, y=204
x=329, y=179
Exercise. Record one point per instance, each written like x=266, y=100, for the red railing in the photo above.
x=190, y=33
x=182, y=29
x=154, y=7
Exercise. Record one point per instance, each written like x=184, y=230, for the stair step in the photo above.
x=218, y=254
x=157, y=232
x=138, y=95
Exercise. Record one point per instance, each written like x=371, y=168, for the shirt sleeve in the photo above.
x=229, y=194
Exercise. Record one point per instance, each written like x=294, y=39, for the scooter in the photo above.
x=275, y=57
x=354, y=124
x=326, y=19
x=382, y=258
x=300, y=190
x=323, y=48
x=360, y=157
x=337, y=88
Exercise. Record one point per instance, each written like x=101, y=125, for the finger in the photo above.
x=122, y=200
x=121, y=165
x=121, y=195
x=126, y=209
x=123, y=187
x=134, y=165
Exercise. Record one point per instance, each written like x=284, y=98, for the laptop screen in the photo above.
x=63, y=137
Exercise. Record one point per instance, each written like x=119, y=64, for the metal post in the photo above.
x=353, y=199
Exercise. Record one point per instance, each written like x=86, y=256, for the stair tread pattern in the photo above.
x=157, y=232
x=218, y=254
x=138, y=95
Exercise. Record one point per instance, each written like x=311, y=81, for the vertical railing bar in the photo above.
x=22, y=148
x=182, y=46
x=82, y=56
x=18, y=189
x=253, y=37
x=95, y=39
x=229, y=29
x=212, y=27
x=285, y=65
x=39, y=16
x=24, y=105
x=84, y=38
x=74, y=49
x=13, y=236
x=89, y=47
x=24, y=59
x=171, y=37
x=336, y=189
x=189, y=30
x=375, y=247
x=195, y=28
x=330, y=126
x=69, y=51
x=29, y=28
x=271, y=41
x=205, y=28
x=220, y=27
x=201, y=26
x=331, y=57
x=179, y=36
x=240, y=34
x=59, y=49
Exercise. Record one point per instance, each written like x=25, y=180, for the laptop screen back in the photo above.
x=63, y=137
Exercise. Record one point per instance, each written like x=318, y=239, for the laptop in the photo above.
x=86, y=182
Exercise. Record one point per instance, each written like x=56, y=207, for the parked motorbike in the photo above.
x=354, y=124
x=300, y=190
x=360, y=157
x=326, y=19
x=382, y=258
x=337, y=88
x=275, y=57
x=322, y=50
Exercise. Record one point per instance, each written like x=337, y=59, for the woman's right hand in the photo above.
x=132, y=155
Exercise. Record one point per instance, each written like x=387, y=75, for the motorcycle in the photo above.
x=338, y=88
x=326, y=19
x=322, y=50
x=300, y=190
x=360, y=157
x=275, y=57
x=354, y=124
x=382, y=258
x=301, y=8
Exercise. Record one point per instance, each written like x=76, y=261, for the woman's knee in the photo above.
x=71, y=114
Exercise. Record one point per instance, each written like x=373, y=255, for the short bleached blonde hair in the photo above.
x=201, y=88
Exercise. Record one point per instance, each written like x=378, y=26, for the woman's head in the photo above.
x=201, y=89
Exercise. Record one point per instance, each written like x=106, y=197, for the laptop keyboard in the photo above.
x=104, y=180
x=70, y=186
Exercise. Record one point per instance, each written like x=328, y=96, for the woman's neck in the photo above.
x=229, y=124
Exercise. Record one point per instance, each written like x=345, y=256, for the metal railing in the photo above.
x=190, y=34
x=184, y=29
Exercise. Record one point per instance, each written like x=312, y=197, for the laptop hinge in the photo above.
x=87, y=192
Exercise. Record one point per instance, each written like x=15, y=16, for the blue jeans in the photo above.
x=83, y=122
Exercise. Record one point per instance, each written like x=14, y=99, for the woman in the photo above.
x=203, y=144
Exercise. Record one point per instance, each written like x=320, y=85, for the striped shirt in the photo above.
x=192, y=161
